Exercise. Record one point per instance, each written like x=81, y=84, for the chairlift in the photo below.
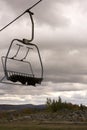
x=15, y=76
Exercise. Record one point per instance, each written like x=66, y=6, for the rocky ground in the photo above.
x=63, y=115
x=76, y=116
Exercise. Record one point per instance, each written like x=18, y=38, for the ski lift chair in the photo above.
x=15, y=76
x=28, y=78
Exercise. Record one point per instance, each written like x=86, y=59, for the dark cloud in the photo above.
x=60, y=32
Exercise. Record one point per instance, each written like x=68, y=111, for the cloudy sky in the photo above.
x=61, y=34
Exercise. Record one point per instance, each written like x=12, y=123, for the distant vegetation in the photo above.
x=56, y=105
x=10, y=113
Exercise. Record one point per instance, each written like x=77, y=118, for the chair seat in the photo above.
x=27, y=80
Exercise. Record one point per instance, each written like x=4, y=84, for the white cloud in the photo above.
x=70, y=92
x=73, y=52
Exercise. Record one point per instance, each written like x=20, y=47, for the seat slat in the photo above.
x=27, y=79
x=19, y=73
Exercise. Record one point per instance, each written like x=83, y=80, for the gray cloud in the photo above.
x=45, y=13
x=60, y=32
x=60, y=48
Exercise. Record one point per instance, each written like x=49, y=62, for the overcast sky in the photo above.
x=61, y=34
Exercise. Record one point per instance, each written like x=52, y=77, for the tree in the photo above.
x=49, y=103
x=59, y=100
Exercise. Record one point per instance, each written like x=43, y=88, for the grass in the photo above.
x=41, y=126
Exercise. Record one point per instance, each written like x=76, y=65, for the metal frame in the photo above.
x=24, y=42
